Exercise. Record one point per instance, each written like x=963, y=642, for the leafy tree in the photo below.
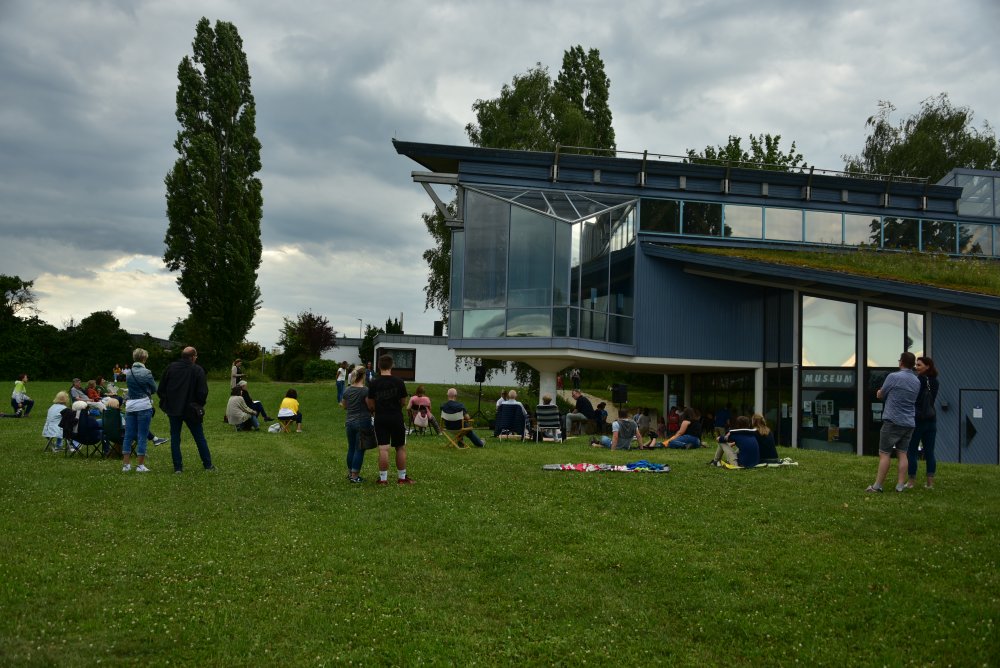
x=438, y=258
x=307, y=336
x=928, y=144
x=94, y=345
x=393, y=326
x=214, y=202
x=764, y=153
x=580, y=101
x=17, y=297
x=366, y=351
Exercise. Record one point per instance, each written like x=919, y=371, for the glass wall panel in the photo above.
x=915, y=333
x=620, y=330
x=937, y=237
x=574, y=264
x=455, y=324
x=860, y=230
x=660, y=215
x=530, y=266
x=457, y=268
x=486, y=235
x=900, y=233
x=594, y=242
x=976, y=239
x=977, y=195
x=560, y=323
x=744, y=221
x=484, y=324
x=702, y=218
x=824, y=227
x=561, y=261
x=593, y=325
x=783, y=224
x=828, y=332
x=886, y=336
x=529, y=322
x=623, y=264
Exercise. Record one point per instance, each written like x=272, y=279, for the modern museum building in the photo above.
x=612, y=262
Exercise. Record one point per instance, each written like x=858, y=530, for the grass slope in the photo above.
x=488, y=560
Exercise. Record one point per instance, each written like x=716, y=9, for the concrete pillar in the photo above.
x=546, y=383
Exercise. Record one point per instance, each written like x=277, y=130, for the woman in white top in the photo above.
x=51, y=428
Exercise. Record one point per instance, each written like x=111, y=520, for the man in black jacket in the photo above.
x=183, y=391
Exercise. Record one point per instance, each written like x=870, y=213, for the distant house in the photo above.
x=418, y=358
x=564, y=260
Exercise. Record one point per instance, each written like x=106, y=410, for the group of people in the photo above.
x=909, y=421
x=246, y=414
x=78, y=416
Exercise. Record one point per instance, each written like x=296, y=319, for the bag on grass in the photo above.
x=274, y=428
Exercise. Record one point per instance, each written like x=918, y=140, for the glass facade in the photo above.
x=535, y=263
x=740, y=221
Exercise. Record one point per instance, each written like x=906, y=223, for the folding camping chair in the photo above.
x=114, y=435
x=510, y=422
x=50, y=444
x=285, y=423
x=454, y=436
x=548, y=423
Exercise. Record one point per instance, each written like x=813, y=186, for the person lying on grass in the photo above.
x=738, y=445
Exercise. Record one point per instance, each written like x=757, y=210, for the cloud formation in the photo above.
x=87, y=121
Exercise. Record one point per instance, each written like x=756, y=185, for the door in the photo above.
x=978, y=428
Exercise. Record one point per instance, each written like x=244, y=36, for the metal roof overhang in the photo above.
x=826, y=282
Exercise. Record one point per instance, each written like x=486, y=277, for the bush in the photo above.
x=319, y=370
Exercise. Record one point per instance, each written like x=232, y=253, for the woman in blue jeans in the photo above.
x=358, y=416
x=926, y=425
x=138, y=411
x=688, y=436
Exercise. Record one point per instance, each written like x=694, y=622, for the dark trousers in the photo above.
x=26, y=406
x=259, y=407
x=176, y=421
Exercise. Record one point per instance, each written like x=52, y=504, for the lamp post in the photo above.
x=360, y=325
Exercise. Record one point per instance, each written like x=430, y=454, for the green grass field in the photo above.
x=488, y=559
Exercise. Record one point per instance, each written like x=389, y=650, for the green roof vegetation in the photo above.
x=980, y=275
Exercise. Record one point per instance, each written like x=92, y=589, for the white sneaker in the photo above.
x=141, y=468
x=126, y=468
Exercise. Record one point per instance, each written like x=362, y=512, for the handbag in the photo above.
x=194, y=413
x=366, y=436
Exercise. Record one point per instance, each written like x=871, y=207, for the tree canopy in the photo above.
x=928, y=144
x=308, y=336
x=534, y=113
x=765, y=153
x=214, y=201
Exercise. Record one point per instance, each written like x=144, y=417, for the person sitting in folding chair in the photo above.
x=512, y=418
x=289, y=411
x=419, y=408
x=80, y=427
x=51, y=430
x=455, y=419
x=548, y=422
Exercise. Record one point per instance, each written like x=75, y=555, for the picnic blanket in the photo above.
x=771, y=464
x=640, y=466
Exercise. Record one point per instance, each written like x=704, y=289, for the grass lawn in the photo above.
x=488, y=559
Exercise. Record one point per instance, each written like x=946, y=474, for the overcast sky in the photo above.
x=87, y=121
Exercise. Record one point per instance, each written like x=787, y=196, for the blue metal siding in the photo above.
x=966, y=355
x=694, y=317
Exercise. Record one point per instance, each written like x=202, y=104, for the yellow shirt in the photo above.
x=289, y=407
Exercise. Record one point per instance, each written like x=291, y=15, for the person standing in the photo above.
x=386, y=399
x=138, y=411
x=369, y=374
x=341, y=381
x=899, y=392
x=925, y=427
x=574, y=375
x=183, y=392
x=19, y=399
x=358, y=417
x=236, y=373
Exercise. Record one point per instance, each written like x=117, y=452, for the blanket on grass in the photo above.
x=769, y=464
x=640, y=466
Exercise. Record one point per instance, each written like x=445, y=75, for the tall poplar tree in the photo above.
x=214, y=202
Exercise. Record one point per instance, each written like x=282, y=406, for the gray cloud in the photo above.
x=87, y=121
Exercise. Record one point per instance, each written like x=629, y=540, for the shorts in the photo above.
x=894, y=437
x=390, y=431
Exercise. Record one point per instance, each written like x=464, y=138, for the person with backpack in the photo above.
x=623, y=433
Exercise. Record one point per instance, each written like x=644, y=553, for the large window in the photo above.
x=824, y=227
x=702, y=219
x=744, y=221
x=829, y=331
x=537, y=263
x=783, y=224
